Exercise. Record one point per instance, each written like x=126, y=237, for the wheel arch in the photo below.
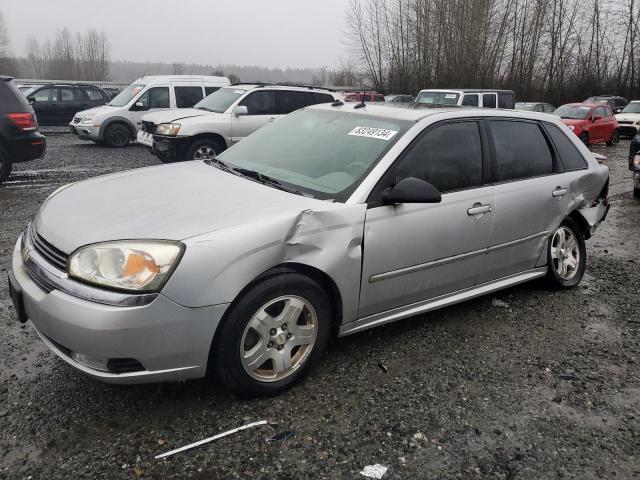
x=117, y=120
x=325, y=282
x=208, y=135
x=582, y=222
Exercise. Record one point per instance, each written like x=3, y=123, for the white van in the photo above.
x=115, y=124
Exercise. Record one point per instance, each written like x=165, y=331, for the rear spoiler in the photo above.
x=602, y=160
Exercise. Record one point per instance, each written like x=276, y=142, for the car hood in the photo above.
x=633, y=117
x=168, y=116
x=101, y=110
x=172, y=202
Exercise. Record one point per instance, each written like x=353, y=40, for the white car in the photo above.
x=223, y=118
x=115, y=124
x=629, y=119
x=486, y=98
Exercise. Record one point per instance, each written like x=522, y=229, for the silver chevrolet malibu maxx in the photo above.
x=332, y=220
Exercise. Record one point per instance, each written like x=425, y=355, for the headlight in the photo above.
x=170, y=129
x=139, y=265
x=572, y=127
x=636, y=161
x=86, y=121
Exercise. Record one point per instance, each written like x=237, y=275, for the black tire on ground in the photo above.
x=615, y=138
x=225, y=356
x=584, y=137
x=203, y=149
x=5, y=165
x=636, y=192
x=556, y=251
x=117, y=135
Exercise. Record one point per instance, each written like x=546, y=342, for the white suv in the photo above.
x=223, y=118
x=116, y=123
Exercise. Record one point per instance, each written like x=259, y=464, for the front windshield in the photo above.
x=438, y=98
x=524, y=106
x=632, y=108
x=124, y=97
x=574, y=112
x=220, y=100
x=321, y=153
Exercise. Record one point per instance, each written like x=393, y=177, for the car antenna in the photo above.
x=361, y=104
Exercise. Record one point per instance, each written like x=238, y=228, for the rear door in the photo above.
x=415, y=252
x=531, y=196
x=71, y=100
x=95, y=97
x=262, y=108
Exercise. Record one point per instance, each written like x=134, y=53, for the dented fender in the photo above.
x=220, y=264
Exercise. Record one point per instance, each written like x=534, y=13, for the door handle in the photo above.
x=559, y=192
x=479, y=209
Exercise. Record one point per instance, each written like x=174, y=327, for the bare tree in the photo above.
x=7, y=63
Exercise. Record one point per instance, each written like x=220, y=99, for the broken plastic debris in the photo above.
x=210, y=439
x=374, y=471
x=281, y=437
x=383, y=367
x=496, y=302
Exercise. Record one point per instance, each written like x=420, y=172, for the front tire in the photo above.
x=273, y=336
x=206, y=149
x=615, y=138
x=636, y=191
x=117, y=136
x=5, y=166
x=566, y=255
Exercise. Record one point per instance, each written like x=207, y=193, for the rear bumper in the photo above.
x=30, y=146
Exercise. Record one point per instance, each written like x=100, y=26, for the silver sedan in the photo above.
x=332, y=220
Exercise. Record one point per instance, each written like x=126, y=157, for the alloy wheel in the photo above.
x=279, y=338
x=565, y=253
x=206, y=152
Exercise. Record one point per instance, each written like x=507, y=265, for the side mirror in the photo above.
x=138, y=107
x=240, y=111
x=411, y=190
x=596, y=118
x=31, y=100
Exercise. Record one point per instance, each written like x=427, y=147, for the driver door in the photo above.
x=262, y=108
x=153, y=100
x=415, y=252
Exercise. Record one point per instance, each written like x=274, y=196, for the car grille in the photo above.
x=149, y=127
x=76, y=119
x=51, y=254
x=625, y=122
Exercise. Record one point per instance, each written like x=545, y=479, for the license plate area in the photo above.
x=15, y=292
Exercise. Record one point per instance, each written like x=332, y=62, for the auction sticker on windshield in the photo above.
x=371, y=132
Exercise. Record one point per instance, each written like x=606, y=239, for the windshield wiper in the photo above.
x=265, y=180
x=215, y=162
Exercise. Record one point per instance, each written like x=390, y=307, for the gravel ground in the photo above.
x=526, y=384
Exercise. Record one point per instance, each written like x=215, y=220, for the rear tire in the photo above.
x=566, y=255
x=584, y=137
x=5, y=166
x=273, y=336
x=205, y=149
x=615, y=138
x=117, y=136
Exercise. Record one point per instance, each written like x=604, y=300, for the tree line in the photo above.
x=555, y=50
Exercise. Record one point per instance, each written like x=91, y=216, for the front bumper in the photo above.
x=168, y=148
x=85, y=132
x=144, y=138
x=170, y=342
x=628, y=130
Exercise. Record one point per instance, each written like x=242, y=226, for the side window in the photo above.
x=470, y=100
x=571, y=158
x=94, y=94
x=505, y=100
x=548, y=108
x=323, y=98
x=46, y=95
x=608, y=112
x=449, y=156
x=209, y=90
x=261, y=103
x=290, y=101
x=601, y=112
x=70, y=95
x=521, y=150
x=187, y=96
x=489, y=100
x=538, y=108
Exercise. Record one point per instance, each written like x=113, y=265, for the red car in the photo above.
x=592, y=122
x=368, y=97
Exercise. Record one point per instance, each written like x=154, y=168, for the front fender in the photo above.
x=117, y=119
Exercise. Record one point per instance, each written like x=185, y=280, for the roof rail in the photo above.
x=282, y=84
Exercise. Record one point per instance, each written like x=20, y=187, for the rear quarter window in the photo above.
x=11, y=100
x=570, y=157
x=187, y=97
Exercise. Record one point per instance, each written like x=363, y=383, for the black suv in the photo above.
x=616, y=103
x=20, y=140
x=57, y=104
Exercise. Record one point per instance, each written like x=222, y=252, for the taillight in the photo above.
x=24, y=121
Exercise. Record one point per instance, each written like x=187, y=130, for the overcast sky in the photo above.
x=271, y=33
